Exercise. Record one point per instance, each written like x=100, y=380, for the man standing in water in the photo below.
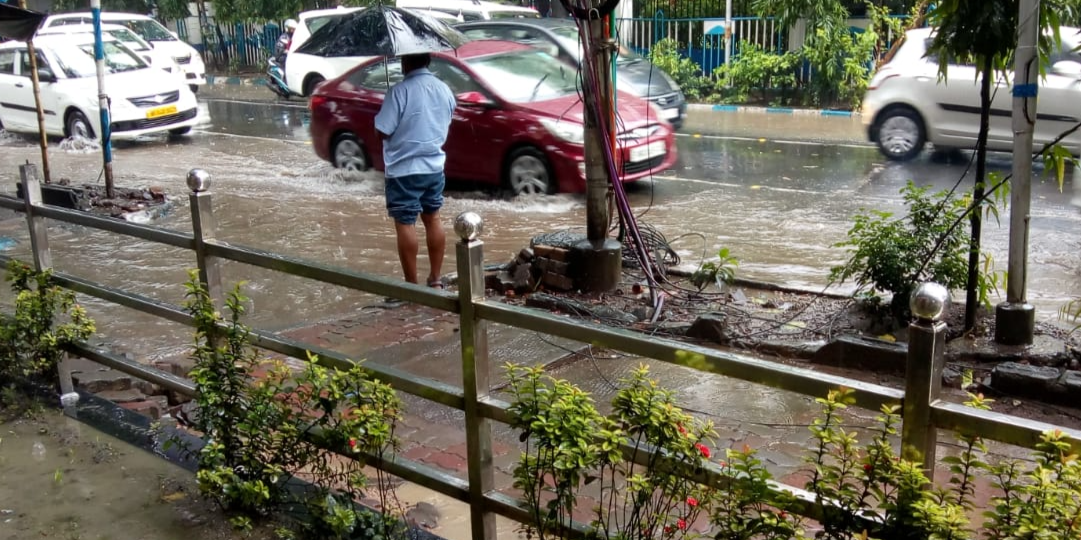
x=413, y=124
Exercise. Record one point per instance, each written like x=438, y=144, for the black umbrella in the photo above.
x=382, y=31
x=18, y=24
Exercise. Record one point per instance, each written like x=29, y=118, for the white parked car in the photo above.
x=907, y=105
x=155, y=57
x=150, y=30
x=470, y=10
x=144, y=99
x=303, y=72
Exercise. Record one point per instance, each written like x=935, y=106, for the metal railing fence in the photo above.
x=924, y=413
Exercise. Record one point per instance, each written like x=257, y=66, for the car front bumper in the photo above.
x=134, y=127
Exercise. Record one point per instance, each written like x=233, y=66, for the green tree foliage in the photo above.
x=686, y=72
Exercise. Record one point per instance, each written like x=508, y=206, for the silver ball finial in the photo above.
x=928, y=301
x=198, y=180
x=468, y=225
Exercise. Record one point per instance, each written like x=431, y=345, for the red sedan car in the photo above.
x=518, y=124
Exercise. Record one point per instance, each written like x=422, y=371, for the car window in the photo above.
x=315, y=23
x=24, y=63
x=78, y=60
x=375, y=76
x=466, y=16
x=484, y=33
x=459, y=81
x=7, y=62
x=525, y=36
x=148, y=29
x=513, y=15
x=526, y=76
x=127, y=37
x=71, y=21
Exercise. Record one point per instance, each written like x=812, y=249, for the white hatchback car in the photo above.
x=144, y=99
x=150, y=30
x=303, y=72
x=907, y=105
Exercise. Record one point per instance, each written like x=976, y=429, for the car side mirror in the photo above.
x=474, y=99
x=1067, y=68
x=46, y=75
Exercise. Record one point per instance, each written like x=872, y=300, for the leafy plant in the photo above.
x=721, y=272
x=893, y=255
x=686, y=72
x=758, y=70
x=46, y=318
x=264, y=424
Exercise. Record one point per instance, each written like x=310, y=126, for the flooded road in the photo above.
x=778, y=206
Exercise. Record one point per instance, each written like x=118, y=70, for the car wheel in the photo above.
x=901, y=134
x=348, y=153
x=78, y=126
x=528, y=173
x=194, y=88
x=311, y=83
x=180, y=130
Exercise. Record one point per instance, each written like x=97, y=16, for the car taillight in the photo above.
x=877, y=80
x=316, y=101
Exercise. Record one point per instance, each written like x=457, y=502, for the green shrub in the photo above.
x=757, y=70
x=686, y=72
x=893, y=255
x=46, y=319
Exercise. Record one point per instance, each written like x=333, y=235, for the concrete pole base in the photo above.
x=600, y=265
x=1014, y=323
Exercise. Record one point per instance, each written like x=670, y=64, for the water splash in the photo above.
x=79, y=145
x=8, y=138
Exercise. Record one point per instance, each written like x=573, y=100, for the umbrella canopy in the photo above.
x=17, y=23
x=382, y=31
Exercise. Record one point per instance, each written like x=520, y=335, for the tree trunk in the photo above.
x=975, y=217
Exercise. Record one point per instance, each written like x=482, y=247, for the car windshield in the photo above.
x=568, y=38
x=78, y=60
x=129, y=39
x=315, y=23
x=149, y=30
x=526, y=76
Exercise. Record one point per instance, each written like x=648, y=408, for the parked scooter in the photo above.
x=276, y=79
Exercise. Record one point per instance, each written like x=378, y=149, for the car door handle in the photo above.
x=18, y=85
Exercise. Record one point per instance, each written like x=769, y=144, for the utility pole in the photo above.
x=1015, y=319
x=43, y=142
x=601, y=256
x=103, y=101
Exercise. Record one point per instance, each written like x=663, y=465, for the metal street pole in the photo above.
x=727, y=31
x=43, y=142
x=103, y=101
x=1015, y=318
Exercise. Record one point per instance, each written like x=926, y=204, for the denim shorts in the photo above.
x=408, y=196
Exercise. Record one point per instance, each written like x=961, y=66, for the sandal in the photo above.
x=437, y=283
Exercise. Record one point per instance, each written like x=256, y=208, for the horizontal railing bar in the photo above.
x=803, y=381
x=420, y=474
x=424, y=387
x=145, y=304
x=150, y=374
x=378, y=285
x=995, y=426
x=119, y=226
x=12, y=203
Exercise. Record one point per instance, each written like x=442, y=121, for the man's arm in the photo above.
x=386, y=122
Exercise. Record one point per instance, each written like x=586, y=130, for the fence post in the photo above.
x=923, y=374
x=475, y=372
x=205, y=228
x=43, y=260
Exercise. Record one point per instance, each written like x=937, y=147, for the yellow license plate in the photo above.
x=161, y=111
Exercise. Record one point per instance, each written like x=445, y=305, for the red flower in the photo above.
x=352, y=443
x=668, y=529
x=782, y=514
x=867, y=467
x=682, y=430
x=682, y=524
x=703, y=449
x=692, y=502
x=724, y=464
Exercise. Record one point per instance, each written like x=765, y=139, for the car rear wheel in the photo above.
x=78, y=126
x=528, y=173
x=349, y=153
x=311, y=83
x=901, y=134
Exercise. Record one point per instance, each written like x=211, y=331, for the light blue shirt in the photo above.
x=416, y=117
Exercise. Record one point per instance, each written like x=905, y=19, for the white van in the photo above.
x=470, y=10
x=147, y=28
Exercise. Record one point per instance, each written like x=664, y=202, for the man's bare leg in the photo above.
x=437, y=244
x=407, y=250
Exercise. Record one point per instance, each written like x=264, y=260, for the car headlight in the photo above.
x=571, y=132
